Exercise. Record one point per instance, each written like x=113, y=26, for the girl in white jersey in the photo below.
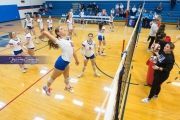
x=29, y=43
x=62, y=64
x=49, y=24
x=89, y=46
x=41, y=26
x=29, y=25
x=111, y=23
x=16, y=46
x=81, y=14
x=70, y=25
x=101, y=39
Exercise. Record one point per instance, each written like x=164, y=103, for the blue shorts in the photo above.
x=18, y=52
x=30, y=27
x=50, y=28
x=91, y=57
x=61, y=64
x=100, y=37
x=31, y=48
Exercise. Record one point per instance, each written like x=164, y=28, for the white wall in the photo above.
x=26, y=3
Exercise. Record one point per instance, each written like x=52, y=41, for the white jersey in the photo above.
x=154, y=28
x=101, y=32
x=81, y=14
x=70, y=23
x=49, y=23
x=67, y=49
x=88, y=48
x=16, y=43
x=29, y=22
x=29, y=37
x=40, y=22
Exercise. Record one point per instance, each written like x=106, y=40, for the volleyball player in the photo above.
x=16, y=46
x=81, y=14
x=111, y=23
x=70, y=25
x=41, y=26
x=29, y=25
x=101, y=39
x=62, y=64
x=89, y=47
x=29, y=43
x=49, y=24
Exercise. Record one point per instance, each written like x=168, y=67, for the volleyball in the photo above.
x=156, y=47
x=178, y=37
x=153, y=59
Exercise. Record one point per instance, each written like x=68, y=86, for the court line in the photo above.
x=28, y=87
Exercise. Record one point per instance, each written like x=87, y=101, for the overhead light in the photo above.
x=97, y=109
x=38, y=118
x=73, y=80
x=78, y=102
x=176, y=83
x=107, y=89
x=2, y=104
x=58, y=96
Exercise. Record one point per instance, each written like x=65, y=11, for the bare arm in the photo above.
x=75, y=57
x=48, y=35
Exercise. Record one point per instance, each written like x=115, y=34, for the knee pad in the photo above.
x=84, y=67
x=66, y=80
x=104, y=47
x=50, y=80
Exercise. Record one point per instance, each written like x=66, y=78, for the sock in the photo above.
x=68, y=86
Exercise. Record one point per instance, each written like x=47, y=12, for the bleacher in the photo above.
x=62, y=7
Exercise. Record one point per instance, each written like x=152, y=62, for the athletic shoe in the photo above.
x=145, y=100
x=37, y=42
x=44, y=40
x=69, y=89
x=80, y=75
x=155, y=97
x=47, y=90
x=96, y=74
x=103, y=54
x=23, y=70
x=25, y=67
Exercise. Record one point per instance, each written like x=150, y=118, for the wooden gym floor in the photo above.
x=25, y=100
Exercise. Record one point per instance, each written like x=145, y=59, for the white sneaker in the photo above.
x=25, y=67
x=23, y=70
x=96, y=74
x=145, y=100
x=80, y=75
x=146, y=42
x=43, y=40
x=37, y=42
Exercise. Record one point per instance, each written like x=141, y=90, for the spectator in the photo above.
x=121, y=12
x=82, y=6
x=41, y=9
x=116, y=6
x=89, y=7
x=137, y=14
x=96, y=11
x=159, y=8
x=155, y=15
x=121, y=6
x=46, y=7
x=94, y=6
x=178, y=24
x=145, y=19
x=117, y=12
x=150, y=17
x=173, y=3
x=134, y=10
x=50, y=6
x=112, y=11
x=140, y=5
